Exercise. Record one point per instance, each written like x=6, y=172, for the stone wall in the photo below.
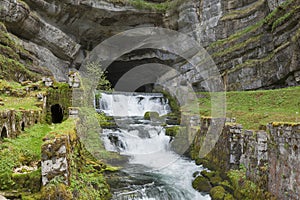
x=61, y=96
x=55, y=158
x=271, y=156
x=284, y=160
x=13, y=122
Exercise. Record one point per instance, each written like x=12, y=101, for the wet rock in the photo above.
x=201, y=184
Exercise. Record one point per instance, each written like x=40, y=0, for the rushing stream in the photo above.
x=154, y=171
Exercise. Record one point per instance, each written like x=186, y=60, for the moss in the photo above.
x=60, y=94
x=250, y=29
x=296, y=36
x=213, y=177
x=172, y=131
x=217, y=193
x=229, y=197
x=237, y=46
x=87, y=180
x=201, y=184
x=276, y=124
x=236, y=14
x=146, y=5
x=12, y=70
x=29, y=181
x=58, y=191
x=282, y=19
x=151, y=115
x=244, y=188
x=174, y=104
x=11, y=54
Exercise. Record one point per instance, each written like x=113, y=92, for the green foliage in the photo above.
x=11, y=67
x=6, y=168
x=31, y=181
x=56, y=191
x=217, y=193
x=88, y=130
x=87, y=186
x=24, y=150
x=15, y=103
x=94, y=70
x=244, y=188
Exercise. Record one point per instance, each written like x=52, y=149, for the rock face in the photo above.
x=271, y=157
x=253, y=43
x=284, y=175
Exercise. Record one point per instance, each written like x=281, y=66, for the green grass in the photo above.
x=255, y=108
x=23, y=150
x=16, y=103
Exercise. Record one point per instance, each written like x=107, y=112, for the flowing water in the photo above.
x=154, y=171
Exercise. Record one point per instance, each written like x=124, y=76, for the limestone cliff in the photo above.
x=254, y=43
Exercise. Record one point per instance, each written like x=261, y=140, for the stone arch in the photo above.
x=4, y=133
x=22, y=126
x=57, y=113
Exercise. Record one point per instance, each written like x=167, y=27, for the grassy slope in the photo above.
x=26, y=148
x=255, y=108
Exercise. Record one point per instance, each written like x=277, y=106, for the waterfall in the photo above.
x=133, y=104
x=155, y=172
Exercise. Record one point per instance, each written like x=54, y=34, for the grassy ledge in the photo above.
x=255, y=108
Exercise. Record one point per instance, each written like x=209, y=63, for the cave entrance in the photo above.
x=4, y=133
x=57, y=113
x=22, y=126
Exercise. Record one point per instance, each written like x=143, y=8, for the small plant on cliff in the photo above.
x=94, y=70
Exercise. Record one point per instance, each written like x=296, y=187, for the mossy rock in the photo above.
x=227, y=186
x=148, y=115
x=205, y=163
x=58, y=191
x=217, y=193
x=201, y=184
x=213, y=177
x=108, y=124
x=172, y=131
x=229, y=197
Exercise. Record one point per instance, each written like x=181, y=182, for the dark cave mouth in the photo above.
x=4, y=133
x=57, y=114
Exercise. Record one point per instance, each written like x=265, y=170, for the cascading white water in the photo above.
x=164, y=175
x=133, y=104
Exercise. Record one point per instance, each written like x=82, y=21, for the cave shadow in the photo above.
x=4, y=133
x=23, y=126
x=57, y=113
